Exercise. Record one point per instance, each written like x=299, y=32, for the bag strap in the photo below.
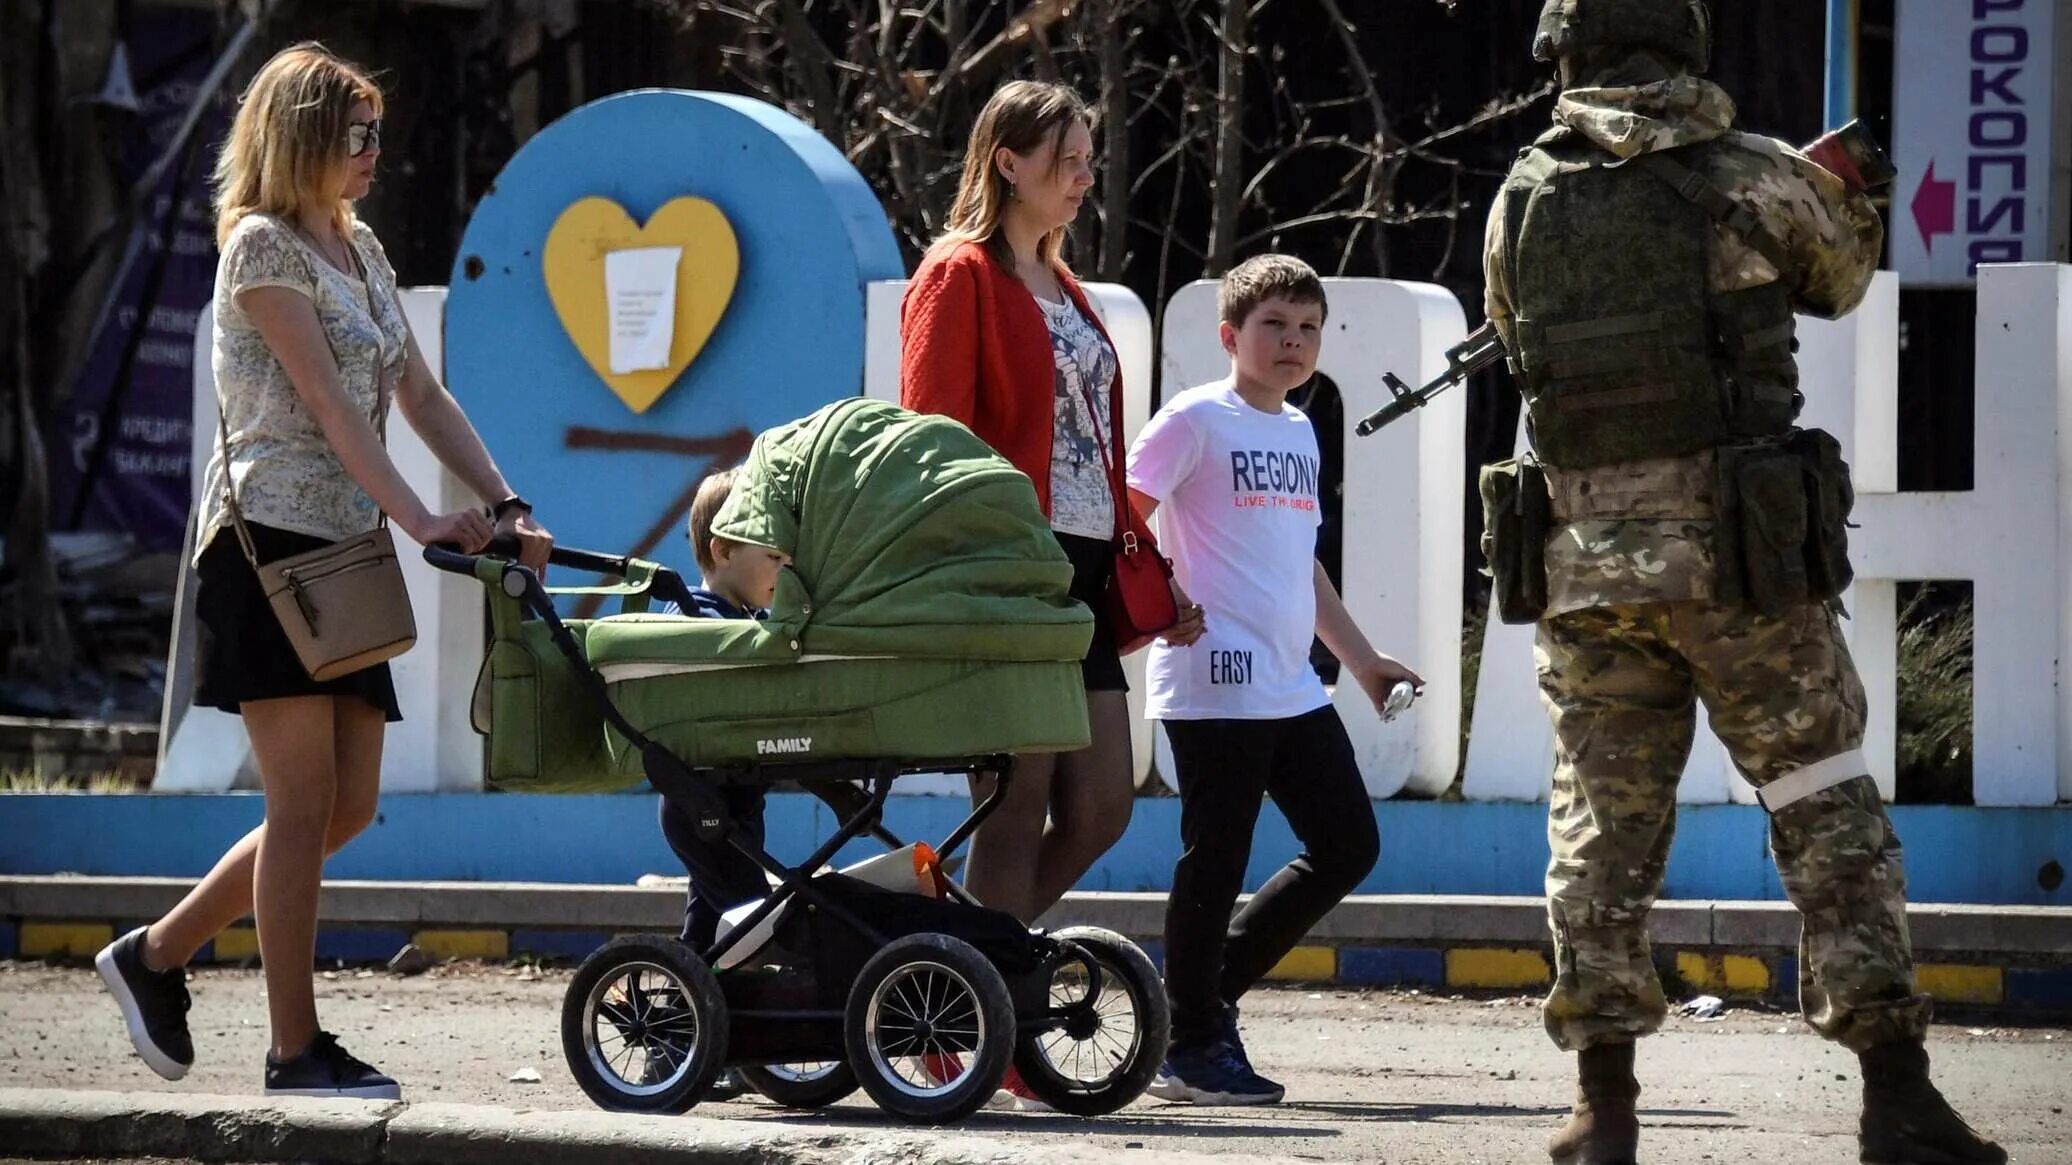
x=1116, y=488
x=380, y=419
x=1126, y=539
x=1701, y=191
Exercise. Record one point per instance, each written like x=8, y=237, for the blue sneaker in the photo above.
x=1212, y=1074
x=1236, y=1044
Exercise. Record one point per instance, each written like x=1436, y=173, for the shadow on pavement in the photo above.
x=1166, y=1120
x=1412, y=1111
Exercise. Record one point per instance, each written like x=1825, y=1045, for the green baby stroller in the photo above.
x=924, y=627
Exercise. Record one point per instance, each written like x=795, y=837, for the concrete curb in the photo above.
x=1954, y=853
x=2017, y=958
x=79, y=1123
x=2041, y=931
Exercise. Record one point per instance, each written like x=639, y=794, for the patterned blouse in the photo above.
x=1082, y=496
x=286, y=472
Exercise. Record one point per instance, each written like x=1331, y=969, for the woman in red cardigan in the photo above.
x=996, y=333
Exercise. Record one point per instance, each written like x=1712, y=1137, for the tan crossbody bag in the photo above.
x=344, y=606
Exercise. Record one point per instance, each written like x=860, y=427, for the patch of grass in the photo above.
x=35, y=780
x=1934, y=751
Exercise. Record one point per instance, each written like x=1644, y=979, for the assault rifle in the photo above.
x=1463, y=360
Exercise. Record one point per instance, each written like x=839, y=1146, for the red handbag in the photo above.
x=1139, y=602
x=1140, y=593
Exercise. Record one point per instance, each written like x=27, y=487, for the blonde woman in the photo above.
x=311, y=348
x=996, y=333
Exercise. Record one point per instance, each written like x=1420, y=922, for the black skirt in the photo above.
x=1093, y=563
x=241, y=653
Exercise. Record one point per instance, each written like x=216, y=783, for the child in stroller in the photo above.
x=924, y=627
x=740, y=580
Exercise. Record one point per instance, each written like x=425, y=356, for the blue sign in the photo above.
x=808, y=234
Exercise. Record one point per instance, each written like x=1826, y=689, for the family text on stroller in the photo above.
x=784, y=744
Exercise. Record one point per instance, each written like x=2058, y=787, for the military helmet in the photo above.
x=1679, y=29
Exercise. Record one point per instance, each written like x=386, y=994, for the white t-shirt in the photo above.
x=1237, y=493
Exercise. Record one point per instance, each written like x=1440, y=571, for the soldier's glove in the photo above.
x=1852, y=154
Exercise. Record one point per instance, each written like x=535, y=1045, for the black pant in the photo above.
x=721, y=876
x=1306, y=764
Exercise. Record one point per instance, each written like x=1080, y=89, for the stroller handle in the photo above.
x=448, y=557
x=496, y=564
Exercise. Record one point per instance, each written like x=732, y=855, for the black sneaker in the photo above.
x=326, y=1069
x=154, y=1004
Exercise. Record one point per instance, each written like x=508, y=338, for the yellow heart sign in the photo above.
x=574, y=262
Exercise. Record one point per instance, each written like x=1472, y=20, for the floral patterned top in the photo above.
x=285, y=471
x=1082, y=495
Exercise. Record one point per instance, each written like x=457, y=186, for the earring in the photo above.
x=1014, y=192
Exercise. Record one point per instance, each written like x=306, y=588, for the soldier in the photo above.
x=1644, y=262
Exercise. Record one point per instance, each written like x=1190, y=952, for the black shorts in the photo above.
x=1093, y=562
x=241, y=653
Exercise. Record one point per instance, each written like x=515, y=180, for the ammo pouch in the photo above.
x=1830, y=495
x=1782, y=536
x=1517, y=517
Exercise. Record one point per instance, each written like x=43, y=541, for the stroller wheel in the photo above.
x=929, y=1028
x=643, y=1026
x=803, y=1085
x=1110, y=1037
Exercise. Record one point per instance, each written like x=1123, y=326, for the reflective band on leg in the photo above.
x=1814, y=778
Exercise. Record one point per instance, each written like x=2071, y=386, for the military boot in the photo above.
x=1906, y=1121
x=1602, y=1130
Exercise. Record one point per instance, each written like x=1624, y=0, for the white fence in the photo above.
x=2012, y=536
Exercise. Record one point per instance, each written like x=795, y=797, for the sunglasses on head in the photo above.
x=360, y=136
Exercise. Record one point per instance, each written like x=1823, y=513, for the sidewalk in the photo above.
x=1427, y=1076
x=79, y=1123
x=2016, y=959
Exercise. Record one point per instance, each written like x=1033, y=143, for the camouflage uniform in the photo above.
x=1633, y=636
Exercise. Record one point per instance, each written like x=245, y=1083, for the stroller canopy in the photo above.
x=927, y=615
x=909, y=537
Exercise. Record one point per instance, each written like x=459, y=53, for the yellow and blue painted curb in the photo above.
x=2040, y=989
x=2015, y=960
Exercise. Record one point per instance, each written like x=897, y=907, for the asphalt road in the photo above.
x=1371, y=1076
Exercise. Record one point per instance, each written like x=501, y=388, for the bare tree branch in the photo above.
x=817, y=66
x=1115, y=103
x=1324, y=165
x=1225, y=190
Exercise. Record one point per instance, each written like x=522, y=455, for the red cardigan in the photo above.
x=974, y=346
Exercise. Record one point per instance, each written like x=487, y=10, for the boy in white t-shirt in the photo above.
x=1232, y=469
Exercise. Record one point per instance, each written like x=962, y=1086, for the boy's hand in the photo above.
x=1192, y=621
x=1380, y=674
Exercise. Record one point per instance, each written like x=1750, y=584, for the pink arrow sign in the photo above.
x=1935, y=208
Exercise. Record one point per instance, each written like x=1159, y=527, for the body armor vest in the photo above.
x=1622, y=349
